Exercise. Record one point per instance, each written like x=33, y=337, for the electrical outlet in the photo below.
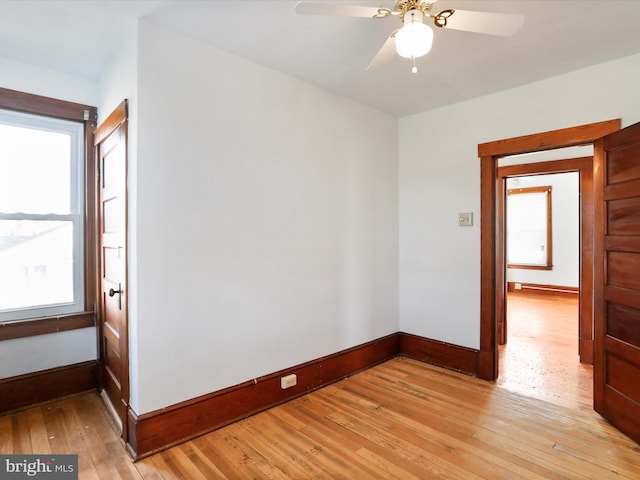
x=517, y=286
x=288, y=381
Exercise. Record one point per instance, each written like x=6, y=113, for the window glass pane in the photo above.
x=36, y=263
x=528, y=228
x=35, y=175
x=41, y=212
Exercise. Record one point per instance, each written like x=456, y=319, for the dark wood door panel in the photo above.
x=622, y=350
x=623, y=323
x=617, y=300
x=622, y=269
x=113, y=362
x=622, y=190
x=623, y=216
x=622, y=163
x=622, y=412
x=622, y=375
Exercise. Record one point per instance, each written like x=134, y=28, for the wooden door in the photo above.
x=617, y=280
x=111, y=143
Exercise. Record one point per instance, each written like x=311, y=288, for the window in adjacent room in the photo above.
x=42, y=206
x=529, y=236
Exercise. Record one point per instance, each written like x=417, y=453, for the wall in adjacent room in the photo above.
x=565, y=223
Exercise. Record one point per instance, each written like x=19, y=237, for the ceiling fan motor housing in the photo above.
x=404, y=6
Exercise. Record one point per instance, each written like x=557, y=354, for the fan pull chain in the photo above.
x=414, y=69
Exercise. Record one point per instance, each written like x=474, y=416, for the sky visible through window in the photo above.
x=36, y=248
x=35, y=171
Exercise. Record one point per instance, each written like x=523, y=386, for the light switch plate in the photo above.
x=465, y=219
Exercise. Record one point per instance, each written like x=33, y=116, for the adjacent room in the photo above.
x=269, y=238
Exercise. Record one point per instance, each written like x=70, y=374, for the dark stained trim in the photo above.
x=50, y=107
x=540, y=289
x=30, y=328
x=454, y=357
x=87, y=115
x=155, y=431
x=25, y=390
x=492, y=284
x=158, y=430
x=113, y=121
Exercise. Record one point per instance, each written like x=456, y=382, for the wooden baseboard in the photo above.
x=155, y=431
x=454, y=357
x=37, y=387
x=543, y=289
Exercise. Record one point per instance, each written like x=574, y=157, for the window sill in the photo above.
x=41, y=326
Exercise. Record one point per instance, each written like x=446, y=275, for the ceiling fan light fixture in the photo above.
x=414, y=39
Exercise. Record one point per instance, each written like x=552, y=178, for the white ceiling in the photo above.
x=79, y=37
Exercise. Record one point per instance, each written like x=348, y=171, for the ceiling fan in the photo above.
x=415, y=39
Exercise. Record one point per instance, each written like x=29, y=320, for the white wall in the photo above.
x=565, y=230
x=266, y=221
x=57, y=349
x=439, y=177
x=29, y=78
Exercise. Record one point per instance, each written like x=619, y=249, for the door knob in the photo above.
x=112, y=292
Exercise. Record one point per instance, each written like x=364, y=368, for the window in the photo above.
x=529, y=228
x=46, y=237
x=41, y=213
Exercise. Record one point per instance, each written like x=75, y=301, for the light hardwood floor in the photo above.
x=541, y=358
x=402, y=420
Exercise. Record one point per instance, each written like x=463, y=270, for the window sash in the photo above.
x=76, y=213
x=529, y=235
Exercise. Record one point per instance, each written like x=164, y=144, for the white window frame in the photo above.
x=76, y=215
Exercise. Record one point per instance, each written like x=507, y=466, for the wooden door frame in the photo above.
x=492, y=294
x=115, y=120
x=584, y=167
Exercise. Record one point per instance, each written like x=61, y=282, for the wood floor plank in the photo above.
x=21, y=437
x=148, y=471
x=6, y=437
x=223, y=452
x=236, y=456
x=443, y=444
x=202, y=462
x=37, y=431
x=180, y=457
x=390, y=467
x=293, y=445
x=435, y=432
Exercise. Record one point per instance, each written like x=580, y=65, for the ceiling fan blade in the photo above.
x=501, y=24
x=316, y=8
x=385, y=54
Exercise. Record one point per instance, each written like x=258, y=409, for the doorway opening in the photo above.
x=539, y=344
x=492, y=290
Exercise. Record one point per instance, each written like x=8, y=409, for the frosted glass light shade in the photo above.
x=414, y=39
